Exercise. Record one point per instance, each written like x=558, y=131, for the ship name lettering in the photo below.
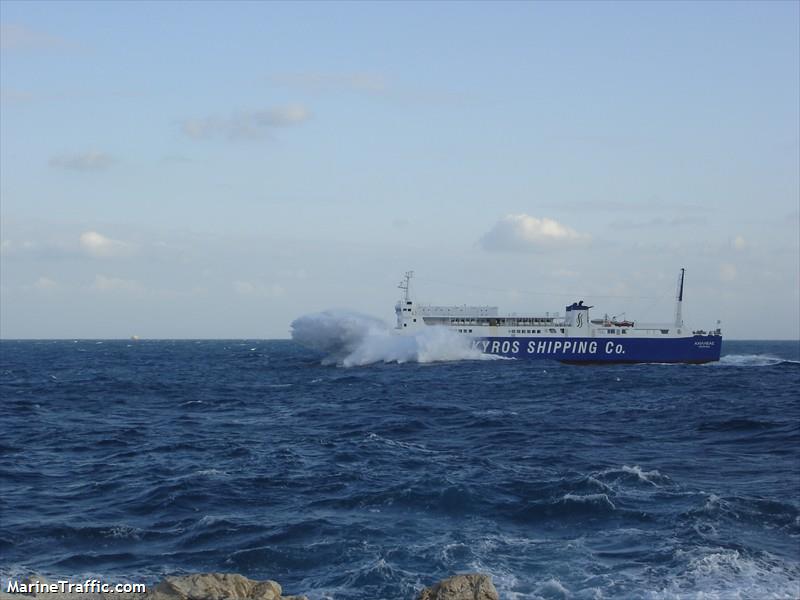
x=551, y=347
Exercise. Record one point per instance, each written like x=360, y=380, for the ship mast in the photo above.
x=405, y=285
x=679, y=301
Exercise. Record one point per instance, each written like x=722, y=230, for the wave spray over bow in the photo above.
x=351, y=339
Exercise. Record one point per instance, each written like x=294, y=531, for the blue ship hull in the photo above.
x=695, y=350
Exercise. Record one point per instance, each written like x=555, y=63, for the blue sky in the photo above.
x=218, y=169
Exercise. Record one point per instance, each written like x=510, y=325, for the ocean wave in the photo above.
x=552, y=589
x=357, y=484
x=766, y=513
x=566, y=506
x=123, y=532
x=350, y=339
x=633, y=474
x=596, y=499
x=727, y=574
x=736, y=425
x=374, y=437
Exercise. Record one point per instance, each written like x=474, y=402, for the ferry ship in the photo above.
x=569, y=338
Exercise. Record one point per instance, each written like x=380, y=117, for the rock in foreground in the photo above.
x=472, y=586
x=230, y=586
x=218, y=586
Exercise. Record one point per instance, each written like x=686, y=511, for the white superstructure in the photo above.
x=487, y=322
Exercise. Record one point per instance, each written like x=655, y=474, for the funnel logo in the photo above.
x=579, y=320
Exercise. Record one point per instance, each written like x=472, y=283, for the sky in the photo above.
x=216, y=170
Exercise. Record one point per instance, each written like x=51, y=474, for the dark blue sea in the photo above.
x=131, y=460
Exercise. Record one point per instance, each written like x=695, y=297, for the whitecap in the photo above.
x=637, y=471
x=122, y=532
x=552, y=588
x=203, y=473
x=642, y=475
x=589, y=498
x=724, y=573
x=208, y=520
x=598, y=483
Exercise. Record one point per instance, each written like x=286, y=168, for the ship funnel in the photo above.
x=577, y=315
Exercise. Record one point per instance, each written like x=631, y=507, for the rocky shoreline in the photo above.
x=231, y=586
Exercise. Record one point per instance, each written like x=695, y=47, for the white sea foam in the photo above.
x=210, y=473
x=503, y=578
x=374, y=437
x=123, y=531
x=752, y=360
x=209, y=520
x=726, y=574
x=494, y=412
x=351, y=339
x=589, y=498
x=642, y=475
x=552, y=588
x=598, y=483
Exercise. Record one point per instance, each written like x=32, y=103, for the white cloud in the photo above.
x=727, y=272
x=523, y=233
x=88, y=161
x=49, y=249
x=13, y=96
x=660, y=222
x=251, y=288
x=99, y=246
x=300, y=274
x=565, y=274
x=365, y=83
x=370, y=83
x=245, y=125
x=19, y=37
x=45, y=283
x=116, y=284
